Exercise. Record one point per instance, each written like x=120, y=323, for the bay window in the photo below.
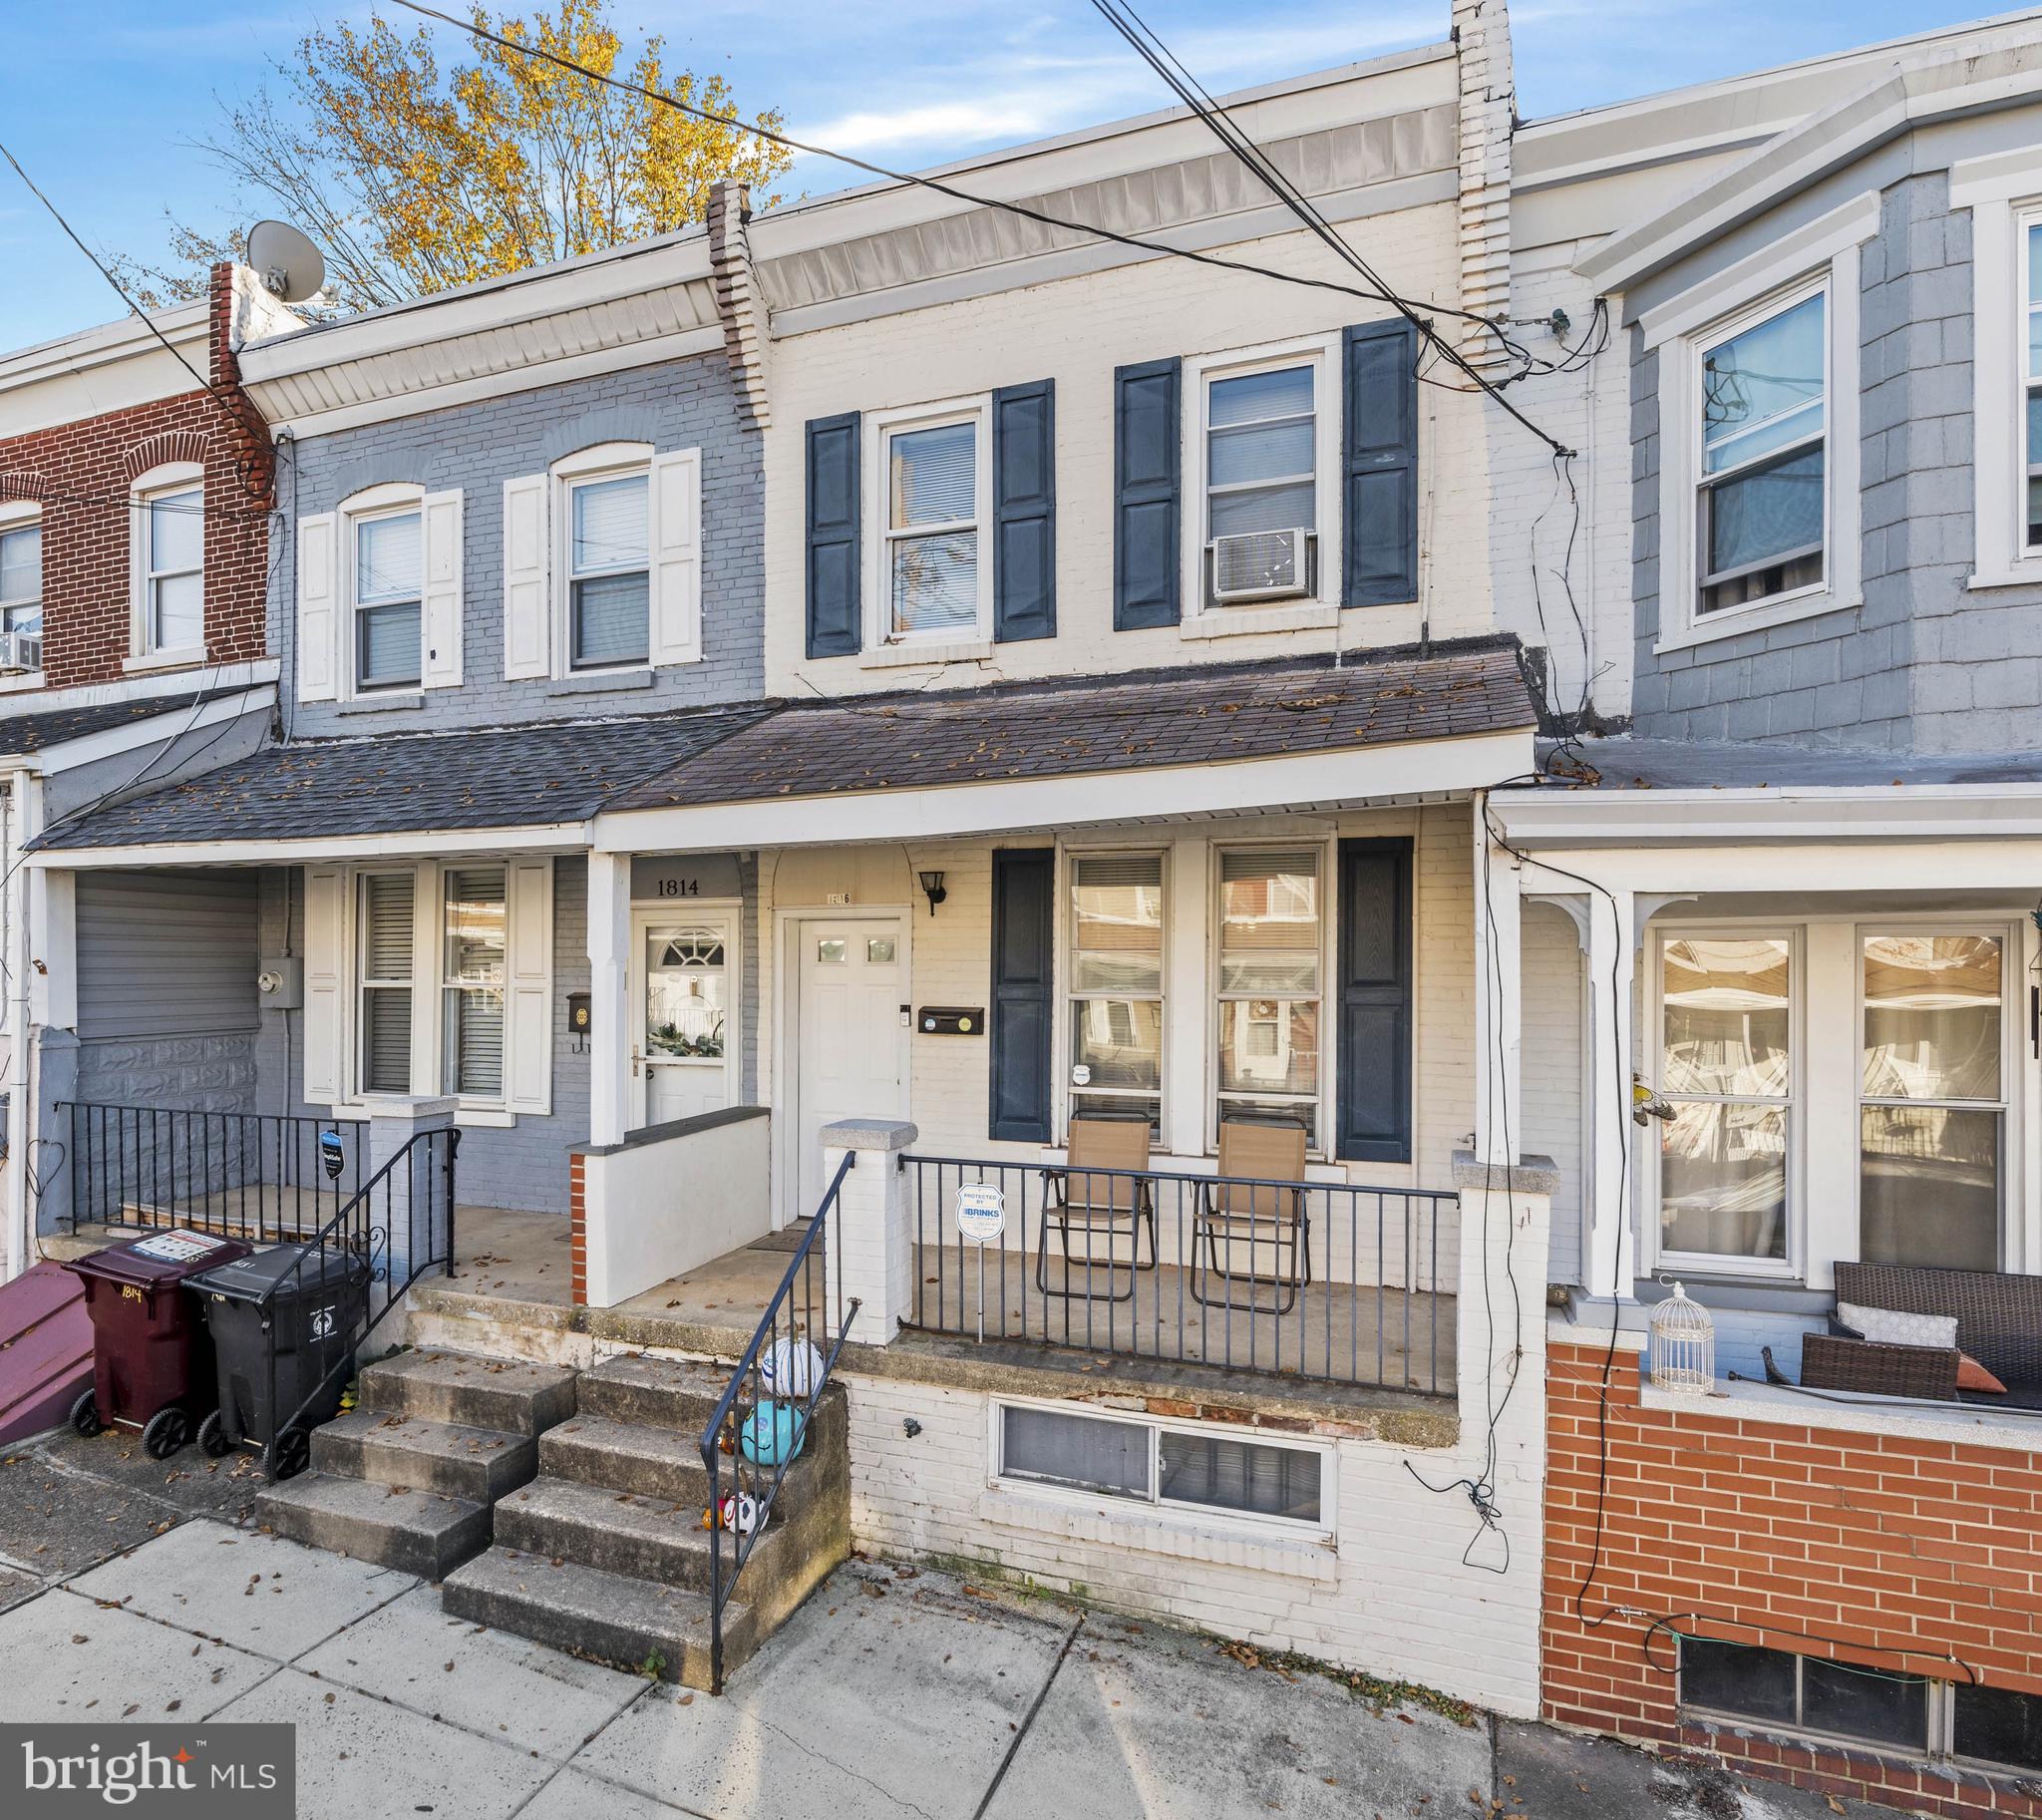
x=1762, y=494
x=1270, y=945
x=1116, y=983
x=472, y=983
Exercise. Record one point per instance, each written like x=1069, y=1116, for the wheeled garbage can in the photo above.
x=302, y=1307
x=151, y=1355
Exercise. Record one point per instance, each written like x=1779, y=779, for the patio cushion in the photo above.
x=1971, y=1376
x=1899, y=1326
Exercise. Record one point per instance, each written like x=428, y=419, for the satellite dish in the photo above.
x=286, y=262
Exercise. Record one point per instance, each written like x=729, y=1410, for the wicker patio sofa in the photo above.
x=1999, y=1323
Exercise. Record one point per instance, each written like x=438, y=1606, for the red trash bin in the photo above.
x=151, y=1357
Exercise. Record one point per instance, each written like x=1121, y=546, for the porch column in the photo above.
x=869, y=1243
x=609, y=974
x=411, y=1202
x=1498, y=998
x=1611, y=1260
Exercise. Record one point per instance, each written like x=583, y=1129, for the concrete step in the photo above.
x=608, y=1618
x=394, y=1447
x=416, y=1532
x=653, y=1392
x=666, y=1463
x=511, y=1396
x=657, y=1539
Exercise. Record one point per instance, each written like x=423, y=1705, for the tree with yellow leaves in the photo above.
x=413, y=178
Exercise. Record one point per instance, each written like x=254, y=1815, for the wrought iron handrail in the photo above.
x=424, y=1163
x=727, y=1421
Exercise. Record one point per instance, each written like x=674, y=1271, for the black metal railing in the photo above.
x=763, y=1418
x=1313, y=1280
x=395, y=1227
x=256, y=1175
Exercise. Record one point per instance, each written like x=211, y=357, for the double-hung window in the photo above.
x=172, y=568
x=1270, y=945
x=936, y=565
x=389, y=572
x=1262, y=483
x=1932, y=1112
x=1761, y=497
x=610, y=575
x=388, y=931
x=1726, y=1068
x=471, y=982
x=21, y=578
x=1115, y=998
x=2031, y=368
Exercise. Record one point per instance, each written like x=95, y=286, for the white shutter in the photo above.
x=439, y=622
x=677, y=556
x=318, y=607
x=530, y=985
x=325, y=985
x=528, y=579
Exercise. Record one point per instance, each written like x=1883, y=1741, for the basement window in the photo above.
x=1168, y=1465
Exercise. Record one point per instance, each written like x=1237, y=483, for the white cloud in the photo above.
x=949, y=123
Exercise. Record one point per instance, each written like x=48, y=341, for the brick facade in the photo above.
x=1897, y=1551
x=82, y=472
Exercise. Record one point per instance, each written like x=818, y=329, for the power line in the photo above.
x=1041, y=216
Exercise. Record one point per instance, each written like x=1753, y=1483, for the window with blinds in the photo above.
x=610, y=575
x=471, y=982
x=1115, y=984
x=389, y=589
x=1270, y=945
x=387, y=901
x=932, y=543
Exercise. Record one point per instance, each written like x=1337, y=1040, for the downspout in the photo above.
x=23, y=810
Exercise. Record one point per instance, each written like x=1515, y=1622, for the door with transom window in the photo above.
x=685, y=986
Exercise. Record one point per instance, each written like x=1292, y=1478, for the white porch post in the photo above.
x=870, y=1246
x=609, y=974
x=1498, y=998
x=1611, y=1260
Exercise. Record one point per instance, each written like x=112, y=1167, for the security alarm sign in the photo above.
x=981, y=1213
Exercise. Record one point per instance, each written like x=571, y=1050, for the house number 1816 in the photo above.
x=680, y=887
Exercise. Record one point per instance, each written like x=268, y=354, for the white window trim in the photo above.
x=1328, y=848
x=17, y=515
x=950, y=643
x=1306, y=611
x=603, y=462
x=2004, y=195
x=385, y=500
x=1156, y=1508
x=1065, y=954
x=426, y=985
x=1823, y=256
x=171, y=477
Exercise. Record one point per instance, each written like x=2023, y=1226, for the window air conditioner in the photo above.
x=1260, y=566
x=20, y=652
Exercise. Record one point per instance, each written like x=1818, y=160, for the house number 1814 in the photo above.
x=680, y=887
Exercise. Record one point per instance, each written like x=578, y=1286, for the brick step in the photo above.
x=666, y=1463
x=607, y=1617
x=511, y=1396
x=416, y=1532
x=394, y=1447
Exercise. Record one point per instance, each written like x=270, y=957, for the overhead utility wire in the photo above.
x=1188, y=89
x=1041, y=216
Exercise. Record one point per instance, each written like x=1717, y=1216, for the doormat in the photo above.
x=788, y=1239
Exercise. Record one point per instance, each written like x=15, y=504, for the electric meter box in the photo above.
x=281, y=984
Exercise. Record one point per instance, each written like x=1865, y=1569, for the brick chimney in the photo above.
x=1488, y=87
x=738, y=300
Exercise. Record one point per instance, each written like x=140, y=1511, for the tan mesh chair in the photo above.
x=1098, y=1210
x=1253, y=1237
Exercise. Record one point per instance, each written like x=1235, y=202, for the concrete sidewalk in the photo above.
x=896, y=1690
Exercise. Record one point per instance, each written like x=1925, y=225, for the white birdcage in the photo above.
x=1683, y=1346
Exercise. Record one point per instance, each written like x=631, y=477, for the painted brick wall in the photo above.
x=82, y=473
x=1882, y=1543
x=674, y=405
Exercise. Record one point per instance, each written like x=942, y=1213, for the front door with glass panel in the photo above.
x=685, y=988
x=850, y=1043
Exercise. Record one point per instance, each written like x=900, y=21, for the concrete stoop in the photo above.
x=407, y=1479
x=605, y=1552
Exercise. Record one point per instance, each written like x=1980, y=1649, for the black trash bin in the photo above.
x=152, y=1364
x=307, y=1319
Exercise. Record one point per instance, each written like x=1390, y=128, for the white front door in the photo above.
x=685, y=986
x=851, y=1032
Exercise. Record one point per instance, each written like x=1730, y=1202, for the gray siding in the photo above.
x=477, y=448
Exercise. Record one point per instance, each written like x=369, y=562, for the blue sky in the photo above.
x=100, y=111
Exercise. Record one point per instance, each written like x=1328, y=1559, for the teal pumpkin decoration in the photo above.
x=772, y=1435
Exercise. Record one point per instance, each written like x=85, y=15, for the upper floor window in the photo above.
x=389, y=572
x=1762, y=493
x=169, y=562
x=2031, y=366
x=609, y=570
x=935, y=567
x=21, y=574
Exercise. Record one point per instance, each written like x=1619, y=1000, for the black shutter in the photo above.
x=1023, y=982
x=1146, y=457
x=1374, y=1050
x=832, y=560
x=1379, y=564
x=1025, y=512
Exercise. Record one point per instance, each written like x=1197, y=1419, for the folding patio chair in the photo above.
x=1265, y=1222
x=1098, y=1208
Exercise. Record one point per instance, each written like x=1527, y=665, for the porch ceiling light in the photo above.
x=932, y=890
